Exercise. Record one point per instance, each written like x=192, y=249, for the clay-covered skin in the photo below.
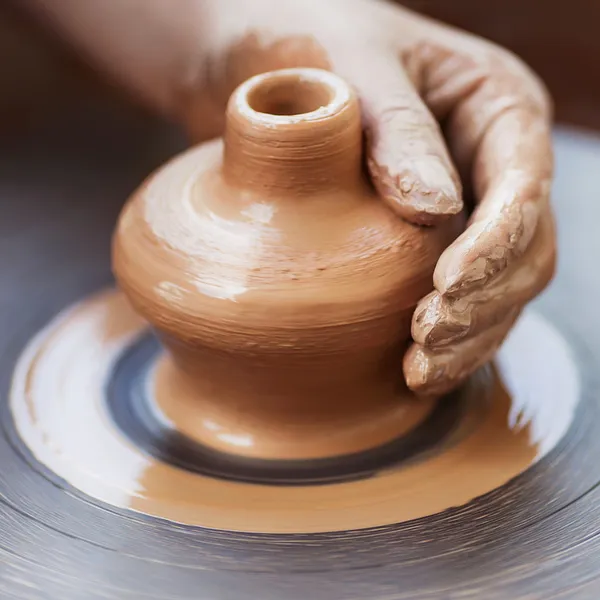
x=283, y=287
x=410, y=74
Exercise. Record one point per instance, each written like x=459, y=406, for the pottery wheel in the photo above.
x=533, y=536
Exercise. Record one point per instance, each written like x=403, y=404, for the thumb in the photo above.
x=406, y=154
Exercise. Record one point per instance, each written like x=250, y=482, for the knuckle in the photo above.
x=507, y=67
x=405, y=107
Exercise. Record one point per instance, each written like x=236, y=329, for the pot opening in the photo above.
x=291, y=95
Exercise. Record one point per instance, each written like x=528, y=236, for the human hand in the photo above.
x=411, y=74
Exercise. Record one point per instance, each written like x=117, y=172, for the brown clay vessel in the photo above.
x=281, y=285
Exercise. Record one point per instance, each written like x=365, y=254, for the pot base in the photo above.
x=132, y=402
x=289, y=435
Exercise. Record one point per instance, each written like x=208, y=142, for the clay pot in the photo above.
x=282, y=286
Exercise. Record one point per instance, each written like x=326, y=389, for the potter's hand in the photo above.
x=410, y=73
x=482, y=282
x=497, y=121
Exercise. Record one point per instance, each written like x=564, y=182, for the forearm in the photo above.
x=155, y=48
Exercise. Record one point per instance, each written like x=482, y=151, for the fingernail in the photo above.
x=425, y=317
x=446, y=333
x=423, y=375
x=438, y=321
x=416, y=368
x=457, y=269
x=424, y=195
x=464, y=279
x=430, y=188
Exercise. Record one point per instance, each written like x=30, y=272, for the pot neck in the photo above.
x=294, y=132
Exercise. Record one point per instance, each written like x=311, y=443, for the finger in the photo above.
x=406, y=154
x=442, y=320
x=430, y=371
x=502, y=226
x=498, y=117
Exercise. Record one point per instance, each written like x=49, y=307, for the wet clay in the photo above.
x=61, y=379
x=281, y=284
x=537, y=537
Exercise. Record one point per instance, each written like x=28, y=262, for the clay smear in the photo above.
x=58, y=406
